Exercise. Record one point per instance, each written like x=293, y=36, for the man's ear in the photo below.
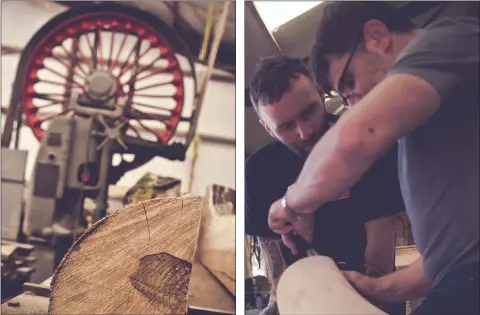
x=266, y=128
x=378, y=38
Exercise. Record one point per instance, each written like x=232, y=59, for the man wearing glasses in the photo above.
x=420, y=87
x=357, y=228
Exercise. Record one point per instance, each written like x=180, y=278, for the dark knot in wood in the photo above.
x=163, y=279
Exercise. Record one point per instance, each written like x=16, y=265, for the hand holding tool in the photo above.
x=304, y=248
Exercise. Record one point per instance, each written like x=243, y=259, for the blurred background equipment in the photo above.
x=102, y=95
x=152, y=186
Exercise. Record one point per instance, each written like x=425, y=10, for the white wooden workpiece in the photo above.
x=315, y=285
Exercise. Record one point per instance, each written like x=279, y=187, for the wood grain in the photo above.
x=216, y=248
x=137, y=261
x=315, y=285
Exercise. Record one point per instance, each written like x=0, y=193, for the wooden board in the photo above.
x=315, y=285
x=8, y=251
x=26, y=304
x=216, y=247
x=403, y=230
x=206, y=292
x=405, y=256
x=137, y=261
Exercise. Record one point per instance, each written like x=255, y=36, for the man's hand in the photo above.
x=303, y=226
x=406, y=284
x=368, y=287
x=282, y=223
x=279, y=220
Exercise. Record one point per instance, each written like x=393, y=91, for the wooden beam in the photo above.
x=8, y=49
x=136, y=261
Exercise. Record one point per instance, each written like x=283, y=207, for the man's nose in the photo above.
x=304, y=130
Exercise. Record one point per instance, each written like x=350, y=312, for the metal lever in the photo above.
x=111, y=133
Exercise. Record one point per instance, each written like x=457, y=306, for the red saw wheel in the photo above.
x=131, y=49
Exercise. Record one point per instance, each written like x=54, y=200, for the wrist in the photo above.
x=286, y=205
x=299, y=201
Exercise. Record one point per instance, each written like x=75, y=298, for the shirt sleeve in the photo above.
x=445, y=54
x=257, y=203
x=379, y=194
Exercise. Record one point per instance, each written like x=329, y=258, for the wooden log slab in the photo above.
x=137, y=261
x=315, y=285
x=216, y=243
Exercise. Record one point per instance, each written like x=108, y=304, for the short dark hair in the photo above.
x=272, y=77
x=335, y=38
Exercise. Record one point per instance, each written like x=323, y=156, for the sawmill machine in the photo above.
x=96, y=82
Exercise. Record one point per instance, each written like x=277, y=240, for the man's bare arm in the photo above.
x=395, y=107
x=405, y=284
x=380, y=249
x=274, y=262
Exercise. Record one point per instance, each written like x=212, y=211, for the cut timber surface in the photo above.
x=216, y=245
x=315, y=285
x=137, y=261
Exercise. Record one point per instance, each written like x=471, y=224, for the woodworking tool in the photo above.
x=303, y=247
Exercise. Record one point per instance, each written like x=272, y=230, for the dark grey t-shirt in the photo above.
x=438, y=162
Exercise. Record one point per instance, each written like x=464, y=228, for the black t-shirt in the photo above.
x=339, y=228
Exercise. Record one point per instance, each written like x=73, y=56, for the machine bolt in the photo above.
x=100, y=85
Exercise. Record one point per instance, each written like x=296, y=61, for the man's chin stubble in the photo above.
x=303, y=152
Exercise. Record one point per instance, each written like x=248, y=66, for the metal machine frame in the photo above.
x=94, y=118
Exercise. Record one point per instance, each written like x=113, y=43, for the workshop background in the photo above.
x=210, y=156
x=288, y=27
x=216, y=155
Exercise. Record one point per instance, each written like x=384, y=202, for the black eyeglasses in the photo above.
x=341, y=81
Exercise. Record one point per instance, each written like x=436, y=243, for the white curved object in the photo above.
x=315, y=285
